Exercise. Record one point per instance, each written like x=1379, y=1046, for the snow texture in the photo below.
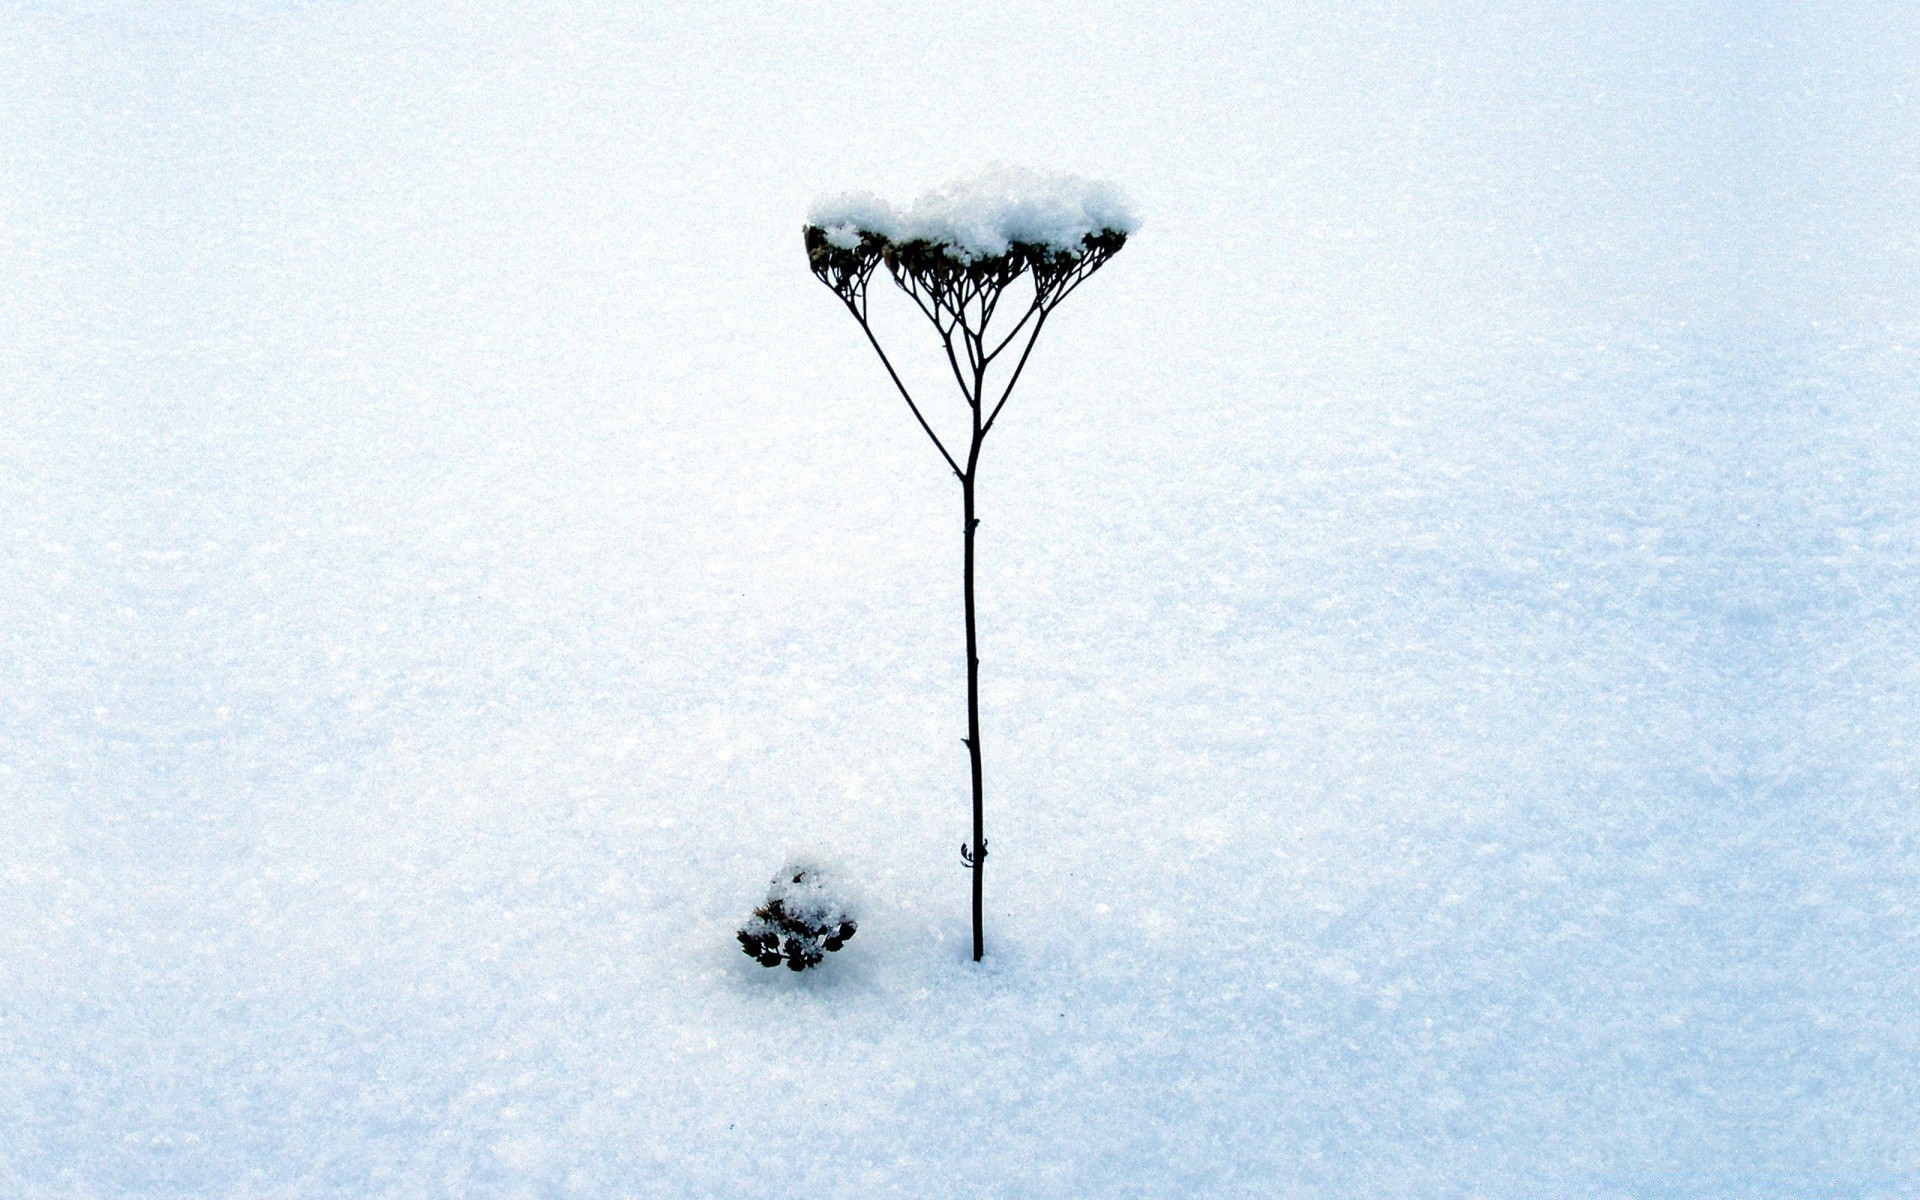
x=983, y=215
x=1449, y=599
x=809, y=893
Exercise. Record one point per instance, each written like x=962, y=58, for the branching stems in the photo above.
x=960, y=296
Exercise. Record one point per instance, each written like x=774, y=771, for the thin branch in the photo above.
x=913, y=293
x=1082, y=271
x=894, y=375
x=1078, y=278
x=972, y=395
x=975, y=353
x=1015, y=331
x=1018, y=367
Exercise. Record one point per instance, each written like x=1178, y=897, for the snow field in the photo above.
x=1447, y=608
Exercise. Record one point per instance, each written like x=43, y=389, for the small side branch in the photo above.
x=905, y=395
x=1018, y=367
x=959, y=376
x=1017, y=327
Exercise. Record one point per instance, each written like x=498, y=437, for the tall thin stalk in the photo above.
x=961, y=296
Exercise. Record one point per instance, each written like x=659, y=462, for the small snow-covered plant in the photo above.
x=802, y=920
x=986, y=261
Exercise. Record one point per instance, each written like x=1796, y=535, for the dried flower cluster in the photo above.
x=801, y=922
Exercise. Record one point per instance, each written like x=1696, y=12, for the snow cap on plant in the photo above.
x=984, y=216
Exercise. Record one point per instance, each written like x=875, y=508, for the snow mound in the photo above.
x=986, y=215
x=808, y=892
x=804, y=919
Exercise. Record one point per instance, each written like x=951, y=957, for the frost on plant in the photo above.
x=987, y=261
x=802, y=920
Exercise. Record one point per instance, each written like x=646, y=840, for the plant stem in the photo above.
x=973, y=723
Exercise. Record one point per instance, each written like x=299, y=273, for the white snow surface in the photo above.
x=982, y=215
x=1448, y=599
x=810, y=893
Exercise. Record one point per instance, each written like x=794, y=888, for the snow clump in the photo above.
x=986, y=215
x=804, y=918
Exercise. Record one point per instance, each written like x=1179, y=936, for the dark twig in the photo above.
x=905, y=395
